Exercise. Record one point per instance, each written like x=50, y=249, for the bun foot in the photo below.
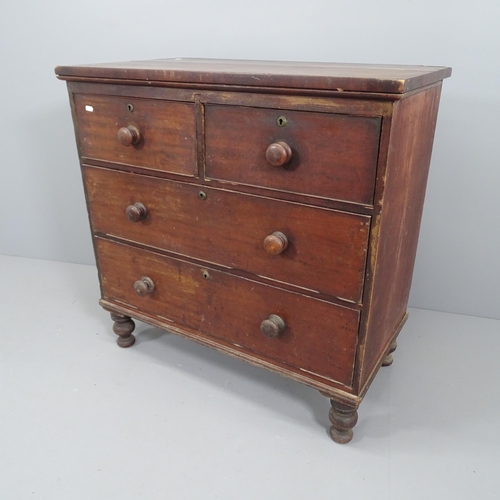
x=389, y=358
x=343, y=419
x=123, y=327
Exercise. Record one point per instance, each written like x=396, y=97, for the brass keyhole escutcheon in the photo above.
x=202, y=195
x=130, y=108
x=281, y=121
x=205, y=275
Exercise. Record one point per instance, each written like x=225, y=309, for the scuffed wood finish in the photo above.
x=332, y=156
x=318, y=337
x=267, y=210
x=231, y=96
x=396, y=234
x=329, y=388
x=297, y=75
x=325, y=252
x=103, y=121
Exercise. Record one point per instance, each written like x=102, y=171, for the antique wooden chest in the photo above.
x=268, y=210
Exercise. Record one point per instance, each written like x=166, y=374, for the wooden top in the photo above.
x=394, y=79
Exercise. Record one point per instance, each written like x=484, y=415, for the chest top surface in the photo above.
x=376, y=78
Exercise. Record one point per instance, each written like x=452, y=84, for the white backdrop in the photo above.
x=42, y=207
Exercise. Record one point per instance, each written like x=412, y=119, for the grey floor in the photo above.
x=81, y=418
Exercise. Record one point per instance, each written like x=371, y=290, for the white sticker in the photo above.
x=89, y=108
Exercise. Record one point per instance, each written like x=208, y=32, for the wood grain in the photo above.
x=318, y=337
x=268, y=210
x=344, y=77
x=410, y=147
x=352, y=106
x=333, y=156
x=162, y=145
x=325, y=252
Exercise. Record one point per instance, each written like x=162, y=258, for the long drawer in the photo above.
x=325, y=249
x=318, y=337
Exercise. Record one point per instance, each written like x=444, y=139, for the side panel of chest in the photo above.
x=395, y=230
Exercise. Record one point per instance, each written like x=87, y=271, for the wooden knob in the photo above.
x=136, y=212
x=278, y=153
x=275, y=243
x=129, y=135
x=144, y=286
x=272, y=326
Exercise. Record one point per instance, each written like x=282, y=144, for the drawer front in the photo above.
x=326, y=249
x=318, y=338
x=166, y=138
x=332, y=156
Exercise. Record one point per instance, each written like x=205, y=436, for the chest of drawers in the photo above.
x=267, y=210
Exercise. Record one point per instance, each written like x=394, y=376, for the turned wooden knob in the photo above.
x=275, y=243
x=278, y=153
x=129, y=135
x=272, y=326
x=136, y=212
x=144, y=286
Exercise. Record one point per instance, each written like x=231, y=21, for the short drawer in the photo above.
x=152, y=134
x=318, y=337
x=329, y=155
x=325, y=252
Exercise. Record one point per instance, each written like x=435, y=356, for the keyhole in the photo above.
x=281, y=121
x=205, y=275
x=130, y=108
x=202, y=195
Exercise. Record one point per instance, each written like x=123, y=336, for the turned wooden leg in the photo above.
x=343, y=419
x=123, y=327
x=389, y=359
